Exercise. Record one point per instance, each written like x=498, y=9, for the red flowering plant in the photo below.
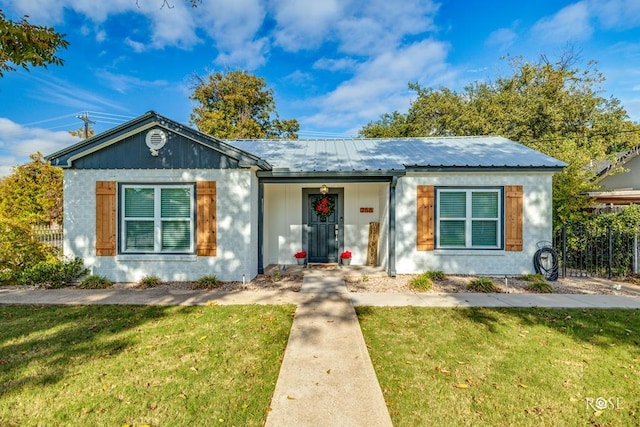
x=324, y=206
x=301, y=254
x=345, y=254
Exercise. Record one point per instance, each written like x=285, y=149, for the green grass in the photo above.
x=490, y=367
x=131, y=365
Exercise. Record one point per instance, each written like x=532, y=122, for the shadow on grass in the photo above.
x=602, y=327
x=39, y=345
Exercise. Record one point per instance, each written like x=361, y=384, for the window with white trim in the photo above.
x=469, y=218
x=157, y=219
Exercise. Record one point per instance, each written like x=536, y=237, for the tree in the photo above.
x=555, y=108
x=32, y=194
x=24, y=44
x=237, y=104
x=80, y=133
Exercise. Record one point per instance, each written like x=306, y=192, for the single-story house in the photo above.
x=621, y=188
x=155, y=197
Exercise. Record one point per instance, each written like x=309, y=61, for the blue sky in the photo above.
x=334, y=65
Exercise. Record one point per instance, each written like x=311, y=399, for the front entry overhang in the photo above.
x=304, y=178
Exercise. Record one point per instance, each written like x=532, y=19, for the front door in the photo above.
x=323, y=226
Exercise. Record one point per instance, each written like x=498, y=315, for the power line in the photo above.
x=48, y=120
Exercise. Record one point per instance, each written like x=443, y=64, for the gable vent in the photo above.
x=155, y=139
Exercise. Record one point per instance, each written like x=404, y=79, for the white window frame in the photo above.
x=157, y=219
x=468, y=216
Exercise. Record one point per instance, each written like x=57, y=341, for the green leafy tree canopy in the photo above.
x=23, y=44
x=32, y=194
x=238, y=105
x=553, y=107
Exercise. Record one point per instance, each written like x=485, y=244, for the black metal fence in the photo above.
x=603, y=253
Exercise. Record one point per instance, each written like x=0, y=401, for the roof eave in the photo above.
x=504, y=168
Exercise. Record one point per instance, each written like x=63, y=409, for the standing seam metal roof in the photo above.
x=351, y=155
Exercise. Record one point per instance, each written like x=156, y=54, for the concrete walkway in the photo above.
x=326, y=377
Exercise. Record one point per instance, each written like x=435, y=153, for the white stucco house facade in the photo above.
x=155, y=197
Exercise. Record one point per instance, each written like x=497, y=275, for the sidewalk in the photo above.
x=186, y=297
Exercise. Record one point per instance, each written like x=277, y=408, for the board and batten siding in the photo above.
x=225, y=235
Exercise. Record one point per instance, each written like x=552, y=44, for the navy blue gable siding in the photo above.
x=179, y=152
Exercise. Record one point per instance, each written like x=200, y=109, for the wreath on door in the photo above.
x=323, y=206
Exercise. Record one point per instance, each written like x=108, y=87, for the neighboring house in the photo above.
x=621, y=188
x=154, y=197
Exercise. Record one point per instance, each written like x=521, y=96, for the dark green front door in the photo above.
x=323, y=227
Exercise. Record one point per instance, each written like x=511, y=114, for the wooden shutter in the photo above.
x=206, y=218
x=513, y=215
x=105, y=218
x=425, y=218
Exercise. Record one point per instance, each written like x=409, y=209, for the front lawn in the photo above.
x=524, y=367
x=133, y=365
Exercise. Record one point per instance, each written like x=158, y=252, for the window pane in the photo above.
x=452, y=233
x=452, y=204
x=139, y=236
x=175, y=202
x=484, y=204
x=484, y=233
x=175, y=235
x=138, y=202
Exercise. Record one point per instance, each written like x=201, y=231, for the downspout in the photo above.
x=392, y=227
x=260, y=225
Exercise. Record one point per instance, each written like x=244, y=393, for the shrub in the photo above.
x=95, y=282
x=149, y=282
x=421, y=282
x=483, y=284
x=276, y=275
x=532, y=277
x=207, y=282
x=435, y=275
x=53, y=273
x=539, y=287
x=20, y=250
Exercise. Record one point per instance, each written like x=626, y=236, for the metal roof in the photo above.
x=397, y=154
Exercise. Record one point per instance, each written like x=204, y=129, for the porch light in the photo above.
x=324, y=189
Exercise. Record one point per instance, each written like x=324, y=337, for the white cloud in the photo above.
x=17, y=142
x=168, y=27
x=379, y=25
x=371, y=92
x=502, y=38
x=330, y=64
x=571, y=23
x=305, y=25
x=136, y=46
x=299, y=78
x=616, y=14
x=124, y=83
x=234, y=25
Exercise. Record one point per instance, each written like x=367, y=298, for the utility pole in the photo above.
x=85, y=119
